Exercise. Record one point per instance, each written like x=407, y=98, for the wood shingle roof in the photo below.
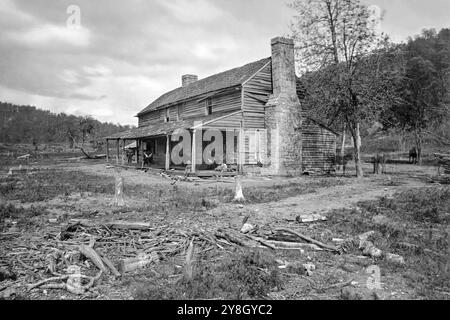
x=226, y=79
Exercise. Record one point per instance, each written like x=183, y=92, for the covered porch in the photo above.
x=162, y=142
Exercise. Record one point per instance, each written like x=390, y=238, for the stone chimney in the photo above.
x=283, y=67
x=283, y=118
x=187, y=79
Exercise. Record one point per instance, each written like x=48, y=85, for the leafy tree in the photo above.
x=424, y=87
x=27, y=124
x=340, y=38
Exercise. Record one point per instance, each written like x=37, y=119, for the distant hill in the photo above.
x=28, y=124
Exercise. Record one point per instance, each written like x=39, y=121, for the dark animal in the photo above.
x=413, y=156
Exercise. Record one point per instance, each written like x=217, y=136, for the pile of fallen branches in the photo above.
x=77, y=255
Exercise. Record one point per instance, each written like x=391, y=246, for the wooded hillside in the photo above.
x=28, y=124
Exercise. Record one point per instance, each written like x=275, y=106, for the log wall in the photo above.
x=318, y=148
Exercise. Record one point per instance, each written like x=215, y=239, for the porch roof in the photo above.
x=167, y=127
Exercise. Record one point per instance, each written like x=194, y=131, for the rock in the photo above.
x=309, y=268
x=352, y=293
x=366, y=235
x=380, y=219
x=247, y=227
x=395, y=258
x=369, y=249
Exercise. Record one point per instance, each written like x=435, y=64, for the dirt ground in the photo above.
x=149, y=198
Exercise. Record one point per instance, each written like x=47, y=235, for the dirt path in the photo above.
x=324, y=200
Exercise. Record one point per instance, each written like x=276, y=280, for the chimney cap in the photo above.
x=282, y=40
x=189, y=76
x=187, y=79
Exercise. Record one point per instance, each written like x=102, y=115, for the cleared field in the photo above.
x=51, y=207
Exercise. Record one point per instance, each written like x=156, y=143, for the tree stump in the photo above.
x=118, y=198
x=239, y=196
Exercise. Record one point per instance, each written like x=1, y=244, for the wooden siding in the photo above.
x=151, y=118
x=225, y=101
x=232, y=121
x=256, y=94
x=318, y=148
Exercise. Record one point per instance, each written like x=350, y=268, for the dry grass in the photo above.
x=416, y=227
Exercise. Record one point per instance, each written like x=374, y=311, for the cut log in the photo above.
x=128, y=225
x=306, y=238
x=92, y=255
x=141, y=261
x=306, y=218
x=294, y=245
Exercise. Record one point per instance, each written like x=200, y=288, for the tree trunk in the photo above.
x=357, y=150
x=343, y=144
x=418, y=138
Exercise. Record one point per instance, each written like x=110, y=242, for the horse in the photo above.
x=413, y=156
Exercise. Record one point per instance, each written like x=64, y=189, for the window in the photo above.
x=209, y=107
x=167, y=117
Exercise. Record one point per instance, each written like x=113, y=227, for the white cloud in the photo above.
x=191, y=11
x=53, y=35
x=70, y=76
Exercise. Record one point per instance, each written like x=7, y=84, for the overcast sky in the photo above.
x=126, y=53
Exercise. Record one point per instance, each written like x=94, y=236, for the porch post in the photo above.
x=241, y=143
x=167, y=152
x=118, y=150
x=123, y=151
x=138, y=149
x=107, y=150
x=193, y=164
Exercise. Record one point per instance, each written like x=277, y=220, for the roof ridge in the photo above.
x=225, y=79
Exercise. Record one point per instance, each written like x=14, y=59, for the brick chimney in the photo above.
x=283, y=119
x=187, y=79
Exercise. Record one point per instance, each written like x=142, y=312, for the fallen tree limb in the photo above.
x=110, y=265
x=306, y=238
x=294, y=245
x=42, y=282
x=262, y=241
x=67, y=286
x=92, y=255
x=230, y=238
x=128, y=225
